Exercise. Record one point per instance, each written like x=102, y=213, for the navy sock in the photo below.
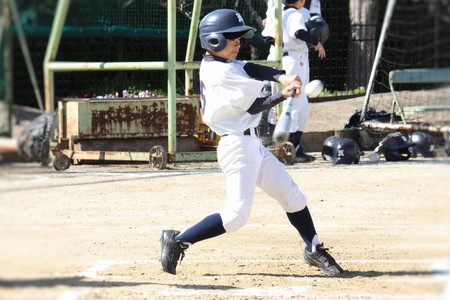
x=209, y=227
x=303, y=222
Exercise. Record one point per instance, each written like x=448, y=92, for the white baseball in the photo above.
x=314, y=88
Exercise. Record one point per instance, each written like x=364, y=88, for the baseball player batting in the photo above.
x=231, y=107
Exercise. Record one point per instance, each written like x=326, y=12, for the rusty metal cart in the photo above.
x=128, y=129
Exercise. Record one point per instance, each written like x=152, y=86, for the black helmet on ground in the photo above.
x=346, y=151
x=340, y=150
x=395, y=147
x=328, y=148
x=424, y=144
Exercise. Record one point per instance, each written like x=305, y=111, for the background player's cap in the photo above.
x=220, y=24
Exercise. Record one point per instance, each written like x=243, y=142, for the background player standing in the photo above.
x=231, y=107
x=296, y=61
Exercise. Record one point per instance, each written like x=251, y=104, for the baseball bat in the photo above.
x=282, y=128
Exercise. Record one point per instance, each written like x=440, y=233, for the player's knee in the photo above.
x=233, y=221
x=295, y=203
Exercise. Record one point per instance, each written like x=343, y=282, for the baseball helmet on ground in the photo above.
x=317, y=26
x=395, y=147
x=346, y=151
x=424, y=144
x=340, y=150
x=328, y=148
x=218, y=25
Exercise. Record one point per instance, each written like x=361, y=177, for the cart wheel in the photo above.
x=61, y=162
x=289, y=153
x=158, y=157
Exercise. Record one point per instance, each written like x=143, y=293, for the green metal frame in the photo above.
x=421, y=75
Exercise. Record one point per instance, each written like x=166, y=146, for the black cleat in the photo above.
x=323, y=260
x=304, y=158
x=171, y=251
x=301, y=156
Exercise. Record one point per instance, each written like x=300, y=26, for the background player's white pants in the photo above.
x=296, y=63
x=246, y=164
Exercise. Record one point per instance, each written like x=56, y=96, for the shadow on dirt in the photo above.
x=75, y=281
x=347, y=274
x=81, y=281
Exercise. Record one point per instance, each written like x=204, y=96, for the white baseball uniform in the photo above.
x=295, y=61
x=226, y=94
x=232, y=107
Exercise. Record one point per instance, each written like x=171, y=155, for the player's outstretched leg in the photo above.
x=171, y=251
x=323, y=260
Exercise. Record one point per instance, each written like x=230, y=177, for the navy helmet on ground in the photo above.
x=222, y=24
x=346, y=151
x=395, y=147
x=340, y=150
x=328, y=147
x=424, y=144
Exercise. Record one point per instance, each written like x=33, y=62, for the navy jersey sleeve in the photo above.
x=260, y=72
x=306, y=36
x=263, y=103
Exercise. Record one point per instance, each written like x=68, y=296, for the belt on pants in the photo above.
x=287, y=53
x=246, y=132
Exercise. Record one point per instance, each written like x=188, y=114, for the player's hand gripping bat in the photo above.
x=283, y=126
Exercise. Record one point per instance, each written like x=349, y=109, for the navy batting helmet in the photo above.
x=328, y=147
x=340, y=150
x=395, y=147
x=317, y=26
x=346, y=151
x=216, y=25
x=424, y=144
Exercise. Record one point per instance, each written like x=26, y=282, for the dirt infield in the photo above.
x=92, y=232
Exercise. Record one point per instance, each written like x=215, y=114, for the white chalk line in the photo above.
x=440, y=266
x=98, y=267
x=29, y=177
x=43, y=178
x=93, y=273
x=147, y=174
x=72, y=295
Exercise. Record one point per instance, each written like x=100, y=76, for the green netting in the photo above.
x=135, y=30
x=417, y=38
x=129, y=16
